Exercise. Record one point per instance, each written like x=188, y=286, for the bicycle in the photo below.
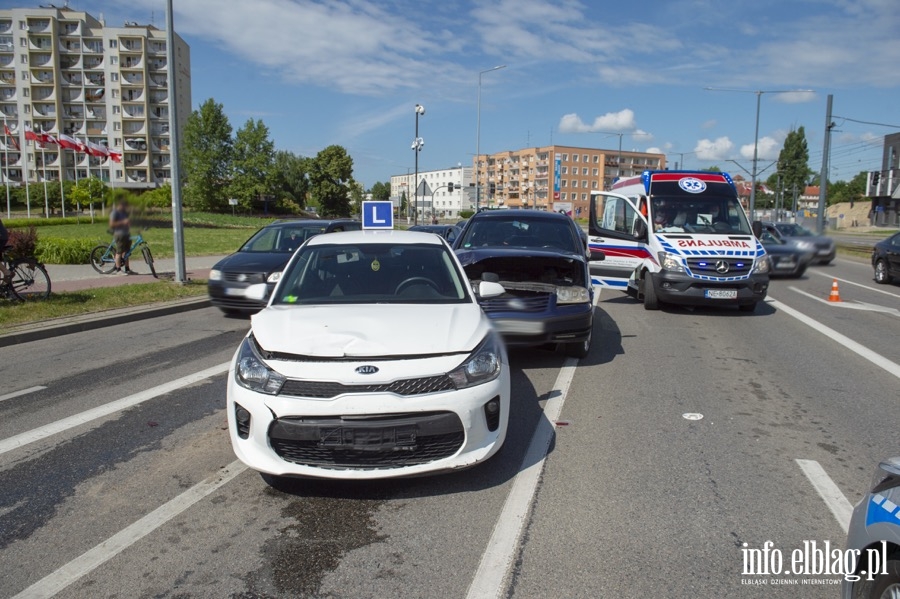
x=103, y=257
x=28, y=278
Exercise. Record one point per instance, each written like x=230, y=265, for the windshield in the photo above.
x=709, y=216
x=281, y=239
x=372, y=273
x=555, y=234
x=792, y=230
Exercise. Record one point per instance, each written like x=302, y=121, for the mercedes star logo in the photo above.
x=722, y=267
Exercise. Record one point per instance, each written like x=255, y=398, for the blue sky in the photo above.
x=350, y=72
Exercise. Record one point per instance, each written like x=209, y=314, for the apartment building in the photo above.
x=441, y=201
x=64, y=72
x=555, y=177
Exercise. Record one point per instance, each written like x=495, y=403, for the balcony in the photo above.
x=38, y=25
x=42, y=94
x=158, y=81
x=7, y=95
x=7, y=78
x=48, y=126
x=135, y=160
x=72, y=79
x=40, y=60
x=136, y=176
x=70, y=28
x=93, y=62
x=42, y=77
x=44, y=110
x=95, y=79
x=160, y=112
x=93, y=47
x=132, y=95
x=70, y=46
x=162, y=161
x=9, y=110
x=159, y=97
x=70, y=62
x=133, y=111
x=159, y=129
x=96, y=128
x=74, y=112
x=41, y=44
x=162, y=176
x=130, y=45
x=132, y=62
x=7, y=60
x=155, y=47
x=73, y=95
x=96, y=113
x=137, y=144
x=134, y=128
x=157, y=65
x=160, y=144
x=94, y=95
x=74, y=128
x=5, y=26
x=132, y=79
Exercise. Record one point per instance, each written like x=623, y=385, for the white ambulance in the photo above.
x=678, y=237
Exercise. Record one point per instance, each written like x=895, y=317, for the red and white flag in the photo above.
x=95, y=149
x=115, y=155
x=11, y=137
x=69, y=143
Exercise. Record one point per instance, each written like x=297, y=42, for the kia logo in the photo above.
x=367, y=369
x=721, y=267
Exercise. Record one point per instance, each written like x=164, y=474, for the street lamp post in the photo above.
x=478, y=137
x=759, y=93
x=417, y=144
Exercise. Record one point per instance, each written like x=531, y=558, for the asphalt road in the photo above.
x=143, y=498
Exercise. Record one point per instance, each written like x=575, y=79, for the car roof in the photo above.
x=309, y=221
x=392, y=237
x=518, y=213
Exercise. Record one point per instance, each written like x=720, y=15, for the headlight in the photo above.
x=762, y=266
x=670, y=262
x=215, y=275
x=482, y=365
x=805, y=245
x=251, y=372
x=572, y=295
x=274, y=277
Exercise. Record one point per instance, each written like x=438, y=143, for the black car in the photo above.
x=261, y=260
x=448, y=232
x=787, y=260
x=824, y=247
x=886, y=259
x=541, y=261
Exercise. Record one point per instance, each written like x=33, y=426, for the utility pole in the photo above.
x=177, y=220
x=823, y=176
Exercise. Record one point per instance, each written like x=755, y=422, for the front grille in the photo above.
x=527, y=303
x=405, y=387
x=244, y=277
x=707, y=266
x=412, y=440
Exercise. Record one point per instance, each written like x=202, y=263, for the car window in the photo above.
x=521, y=233
x=372, y=274
x=265, y=240
x=896, y=241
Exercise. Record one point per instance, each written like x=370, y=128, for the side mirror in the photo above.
x=640, y=229
x=597, y=256
x=258, y=292
x=757, y=228
x=490, y=289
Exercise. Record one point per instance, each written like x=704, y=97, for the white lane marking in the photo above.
x=42, y=432
x=497, y=561
x=53, y=583
x=828, y=491
x=22, y=392
x=852, y=305
x=828, y=276
x=860, y=350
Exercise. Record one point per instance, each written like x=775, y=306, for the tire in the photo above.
x=747, y=307
x=651, y=302
x=579, y=350
x=30, y=280
x=881, y=272
x=799, y=273
x=103, y=260
x=148, y=258
x=887, y=585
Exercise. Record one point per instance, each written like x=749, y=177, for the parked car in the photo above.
x=823, y=246
x=261, y=260
x=787, y=260
x=371, y=360
x=541, y=261
x=874, y=532
x=448, y=232
x=886, y=259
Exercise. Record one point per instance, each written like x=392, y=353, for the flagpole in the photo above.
x=62, y=175
x=27, y=188
x=46, y=197
x=6, y=160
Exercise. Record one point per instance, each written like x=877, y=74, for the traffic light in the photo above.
x=449, y=186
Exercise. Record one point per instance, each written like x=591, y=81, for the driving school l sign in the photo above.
x=377, y=215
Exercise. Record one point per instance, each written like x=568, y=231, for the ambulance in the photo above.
x=678, y=237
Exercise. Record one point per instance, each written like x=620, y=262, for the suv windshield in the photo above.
x=555, y=234
x=372, y=273
x=709, y=215
x=281, y=238
x=793, y=230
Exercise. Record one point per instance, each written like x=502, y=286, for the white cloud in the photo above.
x=709, y=124
x=799, y=97
x=654, y=150
x=611, y=121
x=717, y=149
x=767, y=149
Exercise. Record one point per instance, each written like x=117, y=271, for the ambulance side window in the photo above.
x=618, y=216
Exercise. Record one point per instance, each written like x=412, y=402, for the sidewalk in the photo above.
x=78, y=277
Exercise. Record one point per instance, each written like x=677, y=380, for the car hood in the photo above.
x=515, y=266
x=370, y=330
x=253, y=262
x=470, y=256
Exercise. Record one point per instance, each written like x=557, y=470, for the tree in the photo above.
x=357, y=196
x=847, y=191
x=330, y=174
x=289, y=181
x=207, y=154
x=793, y=162
x=87, y=191
x=381, y=192
x=403, y=202
x=253, y=159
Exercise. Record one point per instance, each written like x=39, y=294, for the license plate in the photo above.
x=822, y=252
x=785, y=265
x=519, y=327
x=368, y=438
x=234, y=291
x=721, y=293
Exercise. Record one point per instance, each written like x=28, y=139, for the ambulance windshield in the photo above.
x=707, y=216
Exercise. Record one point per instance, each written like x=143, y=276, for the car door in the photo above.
x=893, y=255
x=619, y=230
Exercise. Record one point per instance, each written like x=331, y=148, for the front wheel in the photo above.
x=747, y=307
x=881, y=272
x=30, y=280
x=148, y=258
x=103, y=259
x=579, y=350
x=651, y=301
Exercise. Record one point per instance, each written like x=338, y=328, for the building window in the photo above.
x=564, y=183
x=584, y=184
x=595, y=172
x=115, y=93
x=23, y=25
x=118, y=174
x=117, y=141
x=113, y=43
x=113, y=76
x=27, y=109
x=574, y=182
x=113, y=60
x=574, y=157
x=26, y=92
x=584, y=171
x=596, y=158
x=564, y=170
x=24, y=59
x=562, y=196
x=585, y=158
x=116, y=109
x=24, y=75
x=23, y=42
x=565, y=156
x=117, y=126
x=594, y=185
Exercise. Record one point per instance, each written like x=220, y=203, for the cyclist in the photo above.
x=4, y=238
x=121, y=227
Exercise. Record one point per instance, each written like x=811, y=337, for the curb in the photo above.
x=89, y=322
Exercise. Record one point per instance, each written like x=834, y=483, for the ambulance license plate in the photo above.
x=721, y=293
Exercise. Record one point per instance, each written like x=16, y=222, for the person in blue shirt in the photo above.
x=121, y=228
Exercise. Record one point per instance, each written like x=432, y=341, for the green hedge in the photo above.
x=64, y=251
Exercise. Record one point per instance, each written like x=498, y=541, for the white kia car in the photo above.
x=372, y=359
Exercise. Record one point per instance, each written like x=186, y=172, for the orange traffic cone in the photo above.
x=835, y=294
